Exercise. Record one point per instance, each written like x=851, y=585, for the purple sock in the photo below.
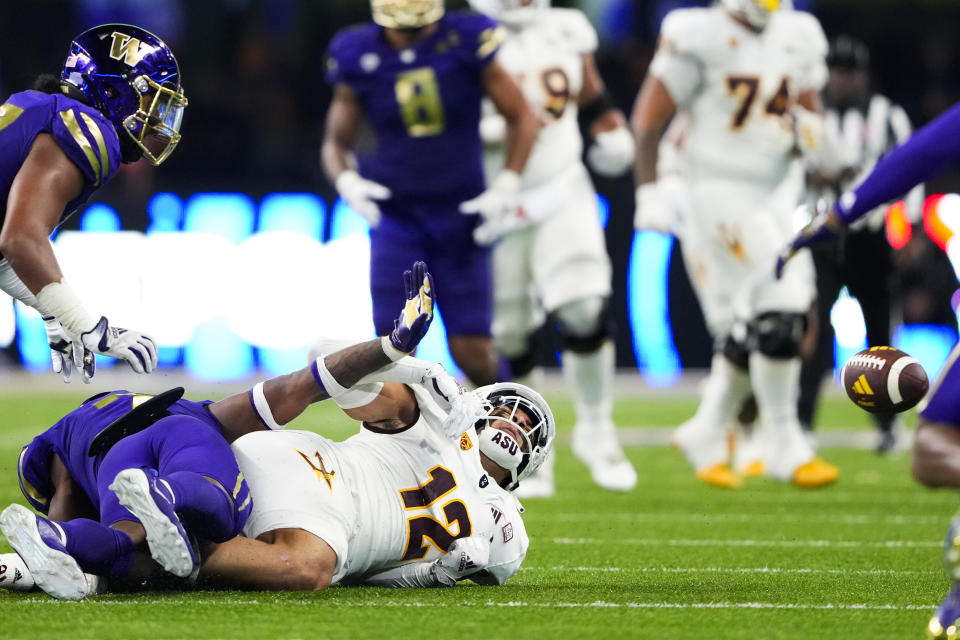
x=204, y=506
x=97, y=548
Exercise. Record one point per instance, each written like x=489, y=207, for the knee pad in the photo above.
x=735, y=351
x=777, y=334
x=584, y=324
x=523, y=363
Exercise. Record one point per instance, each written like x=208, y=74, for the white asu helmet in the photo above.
x=756, y=12
x=499, y=446
x=512, y=13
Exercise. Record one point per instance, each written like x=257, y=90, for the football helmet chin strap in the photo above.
x=500, y=447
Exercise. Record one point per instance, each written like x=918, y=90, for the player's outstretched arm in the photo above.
x=274, y=403
x=46, y=182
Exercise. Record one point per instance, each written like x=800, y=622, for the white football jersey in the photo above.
x=382, y=499
x=545, y=57
x=736, y=86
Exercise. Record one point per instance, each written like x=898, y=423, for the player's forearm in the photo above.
x=32, y=259
x=522, y=130
x=335, y=159
x=926, y=154
x=645, y=165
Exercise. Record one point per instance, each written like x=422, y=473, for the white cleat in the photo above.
x=40, y=543
x=150, y=499
x=598, y=448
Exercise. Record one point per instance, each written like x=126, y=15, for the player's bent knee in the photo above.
x=585, y=324
x=777, y=334
x=735, y=351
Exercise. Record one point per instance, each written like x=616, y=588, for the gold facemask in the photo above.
x=406, y=14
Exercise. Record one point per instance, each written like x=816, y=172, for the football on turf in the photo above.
x=884, y=380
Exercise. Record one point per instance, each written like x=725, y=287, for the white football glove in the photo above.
x=68, y=353
x=138, y=350
x=361, y=195
x=652, y=212
x=611, y=153
x=498, y=206
x=463, y=407
x=465, y=557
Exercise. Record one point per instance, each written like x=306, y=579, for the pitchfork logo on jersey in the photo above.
x=321, y=471
x=465, y=443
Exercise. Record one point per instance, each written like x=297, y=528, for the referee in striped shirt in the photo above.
x=864, y=125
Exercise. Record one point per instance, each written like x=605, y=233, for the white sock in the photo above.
x=14, y=574
x=590, y=377
x=703, y=438
x=776, y=384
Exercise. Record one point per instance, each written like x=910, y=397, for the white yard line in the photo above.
x=599, y=604
x=737, y=570
x=708, y=542
x=857, y=519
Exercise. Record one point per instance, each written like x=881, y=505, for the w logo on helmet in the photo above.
x=128, y=48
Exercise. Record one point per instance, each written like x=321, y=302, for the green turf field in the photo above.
x=672, y=559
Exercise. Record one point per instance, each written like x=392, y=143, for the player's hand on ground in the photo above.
x=498, y=207
x=138, y=350
x=465, y=557
x=652, y=213
x=417, y=312
x=824, y=226
x=67, y=353
x=611, y=153
x=362, y=195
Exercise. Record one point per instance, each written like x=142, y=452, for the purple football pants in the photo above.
x=462, y=271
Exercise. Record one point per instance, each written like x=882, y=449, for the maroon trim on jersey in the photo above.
x=370, y=427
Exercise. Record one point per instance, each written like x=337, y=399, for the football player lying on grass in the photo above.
x=419, y=497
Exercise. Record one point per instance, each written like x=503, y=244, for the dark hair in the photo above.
x=848, y=52
x=47, y=83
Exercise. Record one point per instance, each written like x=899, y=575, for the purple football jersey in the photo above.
x=88, y=139
x=423, y=105
x=70, y=439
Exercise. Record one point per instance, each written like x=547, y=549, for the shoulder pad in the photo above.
x=571, y=28
x=88, y=139
x=346, y=48
x=479, y=35
x=683, y=30
x=806, y=31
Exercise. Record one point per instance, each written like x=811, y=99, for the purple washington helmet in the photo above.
x=131, y=76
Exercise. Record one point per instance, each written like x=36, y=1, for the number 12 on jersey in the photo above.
x=441, y=483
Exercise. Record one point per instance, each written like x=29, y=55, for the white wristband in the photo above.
x=58, y=299
x=389, y=350
x=507, y=181
x=356, y=396
x=262, y=407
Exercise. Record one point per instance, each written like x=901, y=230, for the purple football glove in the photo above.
x=824, y=226
x=417, y=313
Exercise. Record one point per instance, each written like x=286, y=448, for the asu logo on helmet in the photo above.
x=132, y=77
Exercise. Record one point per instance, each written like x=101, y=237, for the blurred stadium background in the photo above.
x=232, y=250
